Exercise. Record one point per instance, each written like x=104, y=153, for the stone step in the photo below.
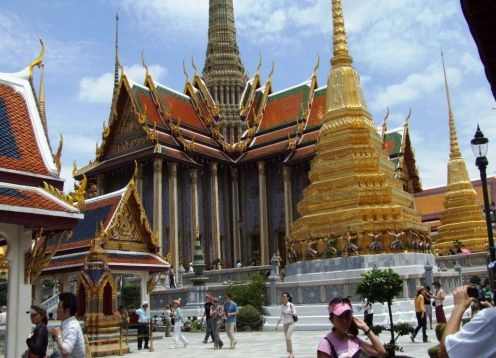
x=316, y=317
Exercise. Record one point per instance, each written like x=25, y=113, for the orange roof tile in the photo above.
x=19, y=149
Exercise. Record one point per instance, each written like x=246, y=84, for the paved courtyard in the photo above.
x=264, y=344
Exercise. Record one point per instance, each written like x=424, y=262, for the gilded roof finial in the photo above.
x=340, y=46
x=454, y=149
x=407, y=119
x=58, y=155
x=384, y=127
x=144, y=64
x=74, y=168
x=38, y=60
x=259, y=62
x=193, y=65
x=185, y=73
x=316, y=65
x=271, y=71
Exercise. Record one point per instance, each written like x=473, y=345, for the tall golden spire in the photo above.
x=454, y=149
x=462, y=218
x=340, y=45
x=352, y=186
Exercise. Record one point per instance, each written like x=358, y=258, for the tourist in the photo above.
x=230, y=311
x=238, y=264
x=124, y=319
x=168, y=320
x=343, y=340
x=172, y=277
x=143, y=325
x=178, y=321
x=37, y=340
x=420, y=313
x=368, y=312
x=3, y=315
x=438, y=301
x=190, y=268
x=69, y=336
x=475, y=338
x=208, y=319
x=288, y=312
x=428, y=304
x=216, y=317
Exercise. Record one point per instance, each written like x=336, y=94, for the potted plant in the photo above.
x=383, y=286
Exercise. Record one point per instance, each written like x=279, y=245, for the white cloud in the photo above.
x=100, y=89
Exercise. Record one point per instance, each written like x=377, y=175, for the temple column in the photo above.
x=173, y=212
x=193, y=176
x=139, y=180
x=214, y=209
x=288, y=200
x=19, y=240
x=100, y=182
x=264, y=235
x=235, y=213
x=157, y=202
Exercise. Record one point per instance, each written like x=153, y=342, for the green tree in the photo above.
x=383, y=286
x=130, y=296
x=250, y=292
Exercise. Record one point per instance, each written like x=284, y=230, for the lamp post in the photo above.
x=479, y=147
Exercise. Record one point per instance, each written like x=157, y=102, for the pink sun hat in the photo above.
x=339, y=308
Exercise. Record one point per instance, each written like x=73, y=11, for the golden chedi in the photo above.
x=462, y=220
x=354, y=202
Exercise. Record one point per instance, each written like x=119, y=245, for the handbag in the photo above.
x=295, y=317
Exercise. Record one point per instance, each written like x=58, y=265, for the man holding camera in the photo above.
x=475, y=338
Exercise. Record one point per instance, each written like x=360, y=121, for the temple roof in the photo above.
x=24, y=146
x=119, y=221
x=30, y=185
x=184, y=128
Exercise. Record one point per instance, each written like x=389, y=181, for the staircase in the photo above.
x=51, y=304
x=316, y=317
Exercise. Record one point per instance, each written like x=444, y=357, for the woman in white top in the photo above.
x=288, y=312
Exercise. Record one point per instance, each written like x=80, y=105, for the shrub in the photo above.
x=249, y=316
x=130, y=296
x=251, y=292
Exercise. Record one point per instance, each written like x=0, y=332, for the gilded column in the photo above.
x=288, y=200
x=173, y=219
x=139, y=180
x=236, y=219
x=264, y=237
x=214, y=208
x=157, y=201
x=193, y=177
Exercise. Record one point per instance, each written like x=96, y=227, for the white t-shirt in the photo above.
x=475, y=338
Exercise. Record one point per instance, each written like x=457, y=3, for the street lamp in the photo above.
x=479, y=147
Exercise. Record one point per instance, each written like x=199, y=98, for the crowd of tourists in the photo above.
x=470, y=339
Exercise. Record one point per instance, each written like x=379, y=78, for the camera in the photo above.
x=473, y=292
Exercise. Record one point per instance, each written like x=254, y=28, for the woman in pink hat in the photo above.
x=343, y=339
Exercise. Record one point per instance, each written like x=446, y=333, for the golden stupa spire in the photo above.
x=462, y=218
x=454, y=149
x=340, y=46
x=352, y=191
x=343, y=79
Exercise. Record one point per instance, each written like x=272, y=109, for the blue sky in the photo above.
x=395, y=46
